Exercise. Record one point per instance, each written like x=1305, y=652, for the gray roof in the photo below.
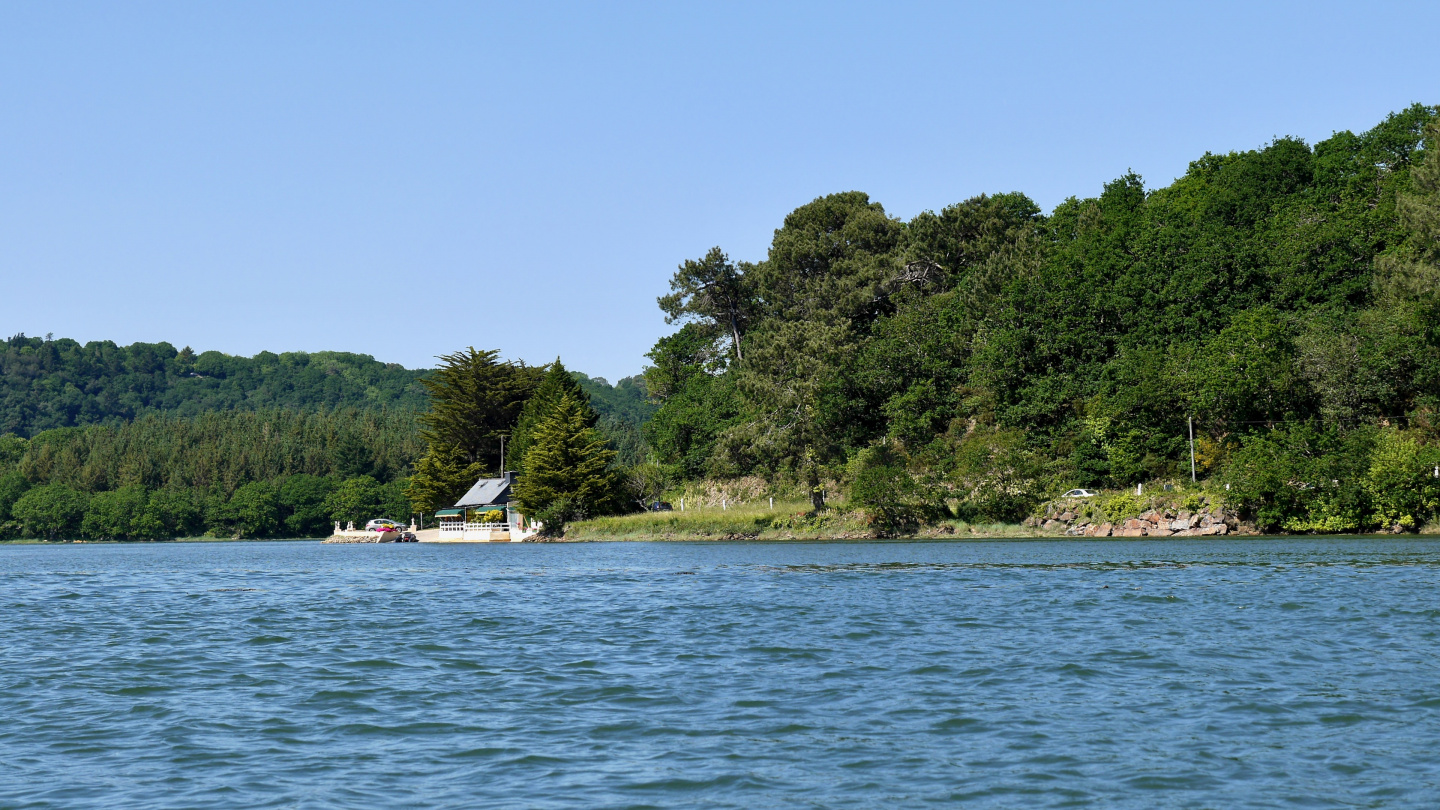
x=488, y=492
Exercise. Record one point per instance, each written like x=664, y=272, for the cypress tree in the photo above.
x=554, y=386
x=568, y=461
x=441, y=476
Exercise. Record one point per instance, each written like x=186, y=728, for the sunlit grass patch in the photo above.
x=788, y=520
x=746, y=520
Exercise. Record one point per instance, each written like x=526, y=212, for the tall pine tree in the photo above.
x=568, y=461
x=554, y=386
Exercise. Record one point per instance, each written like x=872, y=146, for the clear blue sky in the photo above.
x=406, y=179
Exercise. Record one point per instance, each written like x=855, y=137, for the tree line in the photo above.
x=269, y=473
x=1285, y=301
x=146, y=442
x=50, y=383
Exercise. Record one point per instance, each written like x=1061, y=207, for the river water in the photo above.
x=1196, y=673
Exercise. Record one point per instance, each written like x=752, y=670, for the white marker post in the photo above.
x=1189, y=420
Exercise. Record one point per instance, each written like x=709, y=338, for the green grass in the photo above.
x=706, y=522
x=791, y=520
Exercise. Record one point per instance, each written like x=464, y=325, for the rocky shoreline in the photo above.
x=1070, y=519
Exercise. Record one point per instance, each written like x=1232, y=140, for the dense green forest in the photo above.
x=981, y=359
x=226, y=473
x=143, y=442
x=52, y=383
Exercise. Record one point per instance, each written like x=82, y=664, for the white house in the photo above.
x=467, y=521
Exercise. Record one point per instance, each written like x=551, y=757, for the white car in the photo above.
x=375, y=525
x=1080, y=493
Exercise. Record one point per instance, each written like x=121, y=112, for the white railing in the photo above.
x=487, y=527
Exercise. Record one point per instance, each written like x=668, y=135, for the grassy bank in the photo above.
x=787, y=521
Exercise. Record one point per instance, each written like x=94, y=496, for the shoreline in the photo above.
x=777, y=539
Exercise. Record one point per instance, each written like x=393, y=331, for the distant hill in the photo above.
x=624, y=408
x=57, y=383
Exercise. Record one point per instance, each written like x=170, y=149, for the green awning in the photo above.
x=449, y=512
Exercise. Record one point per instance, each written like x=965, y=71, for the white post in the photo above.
x=772, y=502
x=1191, y=422
x=682, y=504
x=1139, y=488
x=723, y=505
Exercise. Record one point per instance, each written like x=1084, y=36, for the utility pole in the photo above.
x=1190, y=420
x=502, y=455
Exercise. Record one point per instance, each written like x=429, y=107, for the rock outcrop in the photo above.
x=1208, y=521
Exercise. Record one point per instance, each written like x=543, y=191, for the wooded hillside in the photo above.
x=991, y=355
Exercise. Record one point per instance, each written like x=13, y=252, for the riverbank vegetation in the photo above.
x=972, y=363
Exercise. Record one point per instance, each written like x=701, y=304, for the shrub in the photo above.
x=888, y=494
x=558, y=513
x=1399, y=483
x=1302, y=478
x=1123, y=505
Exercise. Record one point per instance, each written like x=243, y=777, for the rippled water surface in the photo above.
x=1205, y=673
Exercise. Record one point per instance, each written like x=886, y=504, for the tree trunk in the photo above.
x=812, y=479
x=735, y=333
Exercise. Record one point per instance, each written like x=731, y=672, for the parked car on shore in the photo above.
x=375, y=525
x=1080, y=493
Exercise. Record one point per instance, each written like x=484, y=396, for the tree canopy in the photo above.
x=1284, y=287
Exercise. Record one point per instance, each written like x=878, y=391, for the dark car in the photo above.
x=661, y=506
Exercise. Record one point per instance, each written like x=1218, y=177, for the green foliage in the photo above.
x=51, y=511
x=1264, y=294
x=624, y=408
x=1300, y=478
x=557, y=384
x=474, y=400
x=358, y=499
x=1400, y=483
x=12, y=449
x=559, y=513
x=13, y=484
x=889, y=495
x=996, y=477
x=717, y=293
x=1122, y=505
x=254, y=510
x=216, y=451
x=442, y=475
x=568, y=462
x=646, y=483
x=302, y=500
x=46, y=384
x=124, y=514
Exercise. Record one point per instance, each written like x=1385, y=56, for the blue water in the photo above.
x=1200, y=673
